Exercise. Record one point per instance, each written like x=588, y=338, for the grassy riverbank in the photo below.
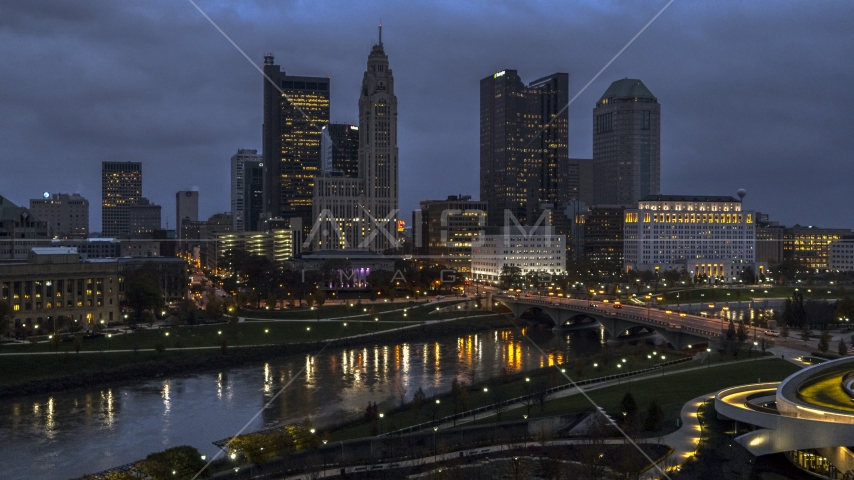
x=670, y=391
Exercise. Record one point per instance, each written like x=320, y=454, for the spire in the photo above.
x=381, y=33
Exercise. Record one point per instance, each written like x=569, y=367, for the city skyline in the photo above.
x=712, y=143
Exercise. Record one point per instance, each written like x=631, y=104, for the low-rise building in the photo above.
x=531, y=249
x=810, y=246
x=54, y=282
x=841, y=255
x=699, y=235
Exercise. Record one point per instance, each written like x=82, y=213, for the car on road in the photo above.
x=668, y=312
x=682, y=314
x=618, y=304
x=527, y=294
x=772, y=333
x=593, y=305
x=440, y=297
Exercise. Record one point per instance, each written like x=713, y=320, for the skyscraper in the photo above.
x=186, y=207
x=362, y=212
x=238, y=185
x=295, y=111
x=339, y=150
x=524, y=145
x=253, y=195
x=121, y=186
x=626, y=143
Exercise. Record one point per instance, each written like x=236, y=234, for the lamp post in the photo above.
x=435, y=429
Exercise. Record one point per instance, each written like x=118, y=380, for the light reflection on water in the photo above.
x=85, y=431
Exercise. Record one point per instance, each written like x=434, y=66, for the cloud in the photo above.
x=753, y=94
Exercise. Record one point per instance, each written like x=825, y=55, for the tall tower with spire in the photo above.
x=378, y=146
x=361, y=213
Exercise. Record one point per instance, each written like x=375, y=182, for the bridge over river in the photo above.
x=679, y=329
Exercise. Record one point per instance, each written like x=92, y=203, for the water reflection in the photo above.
x=74, y=433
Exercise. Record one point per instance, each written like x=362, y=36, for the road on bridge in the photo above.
x=711, y=327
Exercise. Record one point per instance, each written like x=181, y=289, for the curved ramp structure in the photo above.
x=812, y=410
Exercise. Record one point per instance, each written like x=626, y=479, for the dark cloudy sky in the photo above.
x=754, y=94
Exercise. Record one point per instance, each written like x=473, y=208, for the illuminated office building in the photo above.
x=445, y=231
x=524, y=145
x=810, y=246
x=626, y=144
x=708, y=236
x=121, y=187
x=295, y=111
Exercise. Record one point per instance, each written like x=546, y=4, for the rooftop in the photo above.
x=689, y=198
x=55, y=250
x=627, y=88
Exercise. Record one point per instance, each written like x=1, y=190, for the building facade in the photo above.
x=524, y=145
x=362, y=212
x=253, y=196
x=580, y=180
x=810, y=246
x=295, y=111
x=186, y=207
x=20, y=230
x=238, y=185
x=841, y=255
x=55, y=282
x=121, y=187
x=531, y=250
x=67, y=215
x=626, y=144
x=603, y=237
x=445, y=231
x=339, y=150
x=710, y=236
x=143, y=217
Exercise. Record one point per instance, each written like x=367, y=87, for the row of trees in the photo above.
x=798, y=313
x=254, y=279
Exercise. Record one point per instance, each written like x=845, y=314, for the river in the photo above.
x=69, y=434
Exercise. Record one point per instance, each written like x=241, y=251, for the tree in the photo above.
x=844, y=308
x=143, y=294
x=184, y=461
x=418, y=399
x=628, y=408
x=730, y=333
x=824, y=342
x=806, y=333
x=215, y=307
x=788, y=313
x=319, y=298
x=510, y=275
x=742, y=333
x=459, y=395
x=654, y=416
x=842, y=349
